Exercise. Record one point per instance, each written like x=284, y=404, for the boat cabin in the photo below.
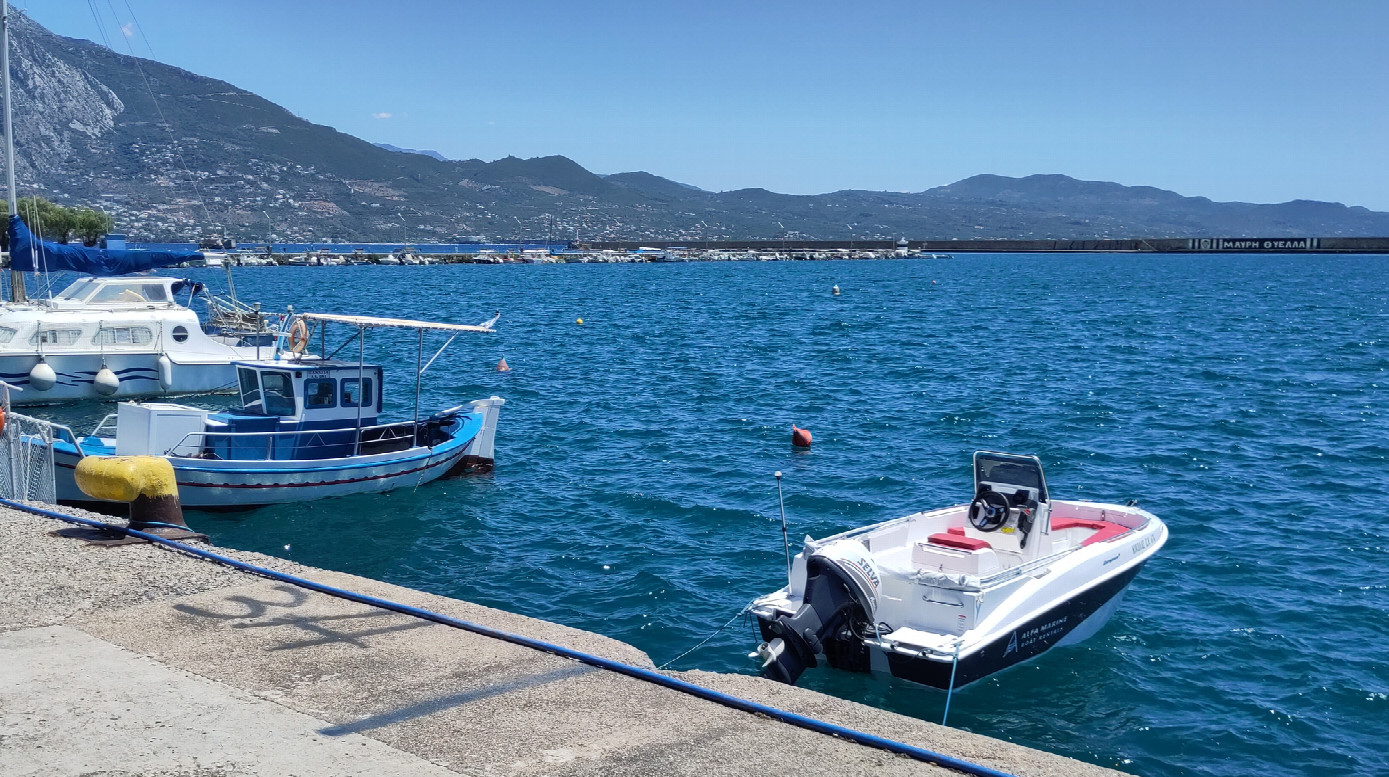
x=294, y=410
x=119, y=292
x=321, y=394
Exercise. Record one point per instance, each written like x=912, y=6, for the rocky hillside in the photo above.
x=202, y=157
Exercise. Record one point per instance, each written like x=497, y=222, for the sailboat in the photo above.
x=113, y=334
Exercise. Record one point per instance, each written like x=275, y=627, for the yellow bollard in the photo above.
x=147, y=483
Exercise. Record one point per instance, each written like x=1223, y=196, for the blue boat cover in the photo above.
x=29, y=254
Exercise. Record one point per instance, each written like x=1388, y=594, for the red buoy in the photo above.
x=502, y=366
x=800, y=438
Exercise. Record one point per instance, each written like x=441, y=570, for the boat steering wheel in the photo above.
x=988, y=511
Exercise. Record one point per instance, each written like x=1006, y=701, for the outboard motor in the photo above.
x=841, y=595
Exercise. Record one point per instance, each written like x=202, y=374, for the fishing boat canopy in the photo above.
x=405, y=323
x=30, y=254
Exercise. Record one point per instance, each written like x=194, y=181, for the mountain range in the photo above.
x=172, y=155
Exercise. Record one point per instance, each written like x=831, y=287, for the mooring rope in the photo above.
x=705, y=641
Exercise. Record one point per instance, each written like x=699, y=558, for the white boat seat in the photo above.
x=977, y=562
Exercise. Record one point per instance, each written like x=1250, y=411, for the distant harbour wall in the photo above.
x=1260, y=245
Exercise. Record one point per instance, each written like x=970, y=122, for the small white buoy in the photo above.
x=42, y=377
x=106, y=381
x=166, y=371
x=835, y=290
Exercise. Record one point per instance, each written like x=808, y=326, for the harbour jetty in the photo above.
x=143, y=659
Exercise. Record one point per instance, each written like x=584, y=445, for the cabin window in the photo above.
x=7, y=334
x=56, y=337
x=79, y=289
x=180, y=334
x=278, y=390
x=123, y=335
x=132, y=292
x=250, y=387
x=320, y=393
x=349, y=393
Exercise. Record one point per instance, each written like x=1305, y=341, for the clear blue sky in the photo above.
x=1258, y=100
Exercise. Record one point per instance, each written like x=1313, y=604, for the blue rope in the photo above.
x=639, y=673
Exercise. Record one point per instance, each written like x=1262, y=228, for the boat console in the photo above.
x=1011, y=508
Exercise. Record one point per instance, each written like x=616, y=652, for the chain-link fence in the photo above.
x=26, y=459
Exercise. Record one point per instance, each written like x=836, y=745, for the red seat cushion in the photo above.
x=957, y=541
x=1104, y=530
x=960, y=530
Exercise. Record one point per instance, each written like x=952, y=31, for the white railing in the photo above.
x=26, y=454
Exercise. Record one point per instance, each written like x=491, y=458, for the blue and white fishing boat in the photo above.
x=305, y=429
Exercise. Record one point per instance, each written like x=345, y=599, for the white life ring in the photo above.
x=298, y=336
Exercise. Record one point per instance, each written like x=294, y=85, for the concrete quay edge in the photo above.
x=141, y=660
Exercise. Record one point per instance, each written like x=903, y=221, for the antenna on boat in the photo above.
x=785, y=543
x=16, y=277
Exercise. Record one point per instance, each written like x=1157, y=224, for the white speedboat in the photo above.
x=946, y=597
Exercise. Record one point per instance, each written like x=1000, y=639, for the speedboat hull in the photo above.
x=1069, y=623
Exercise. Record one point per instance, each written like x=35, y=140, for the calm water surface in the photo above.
x=1241, y=398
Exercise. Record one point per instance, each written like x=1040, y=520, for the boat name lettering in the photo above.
x=1144, y=544
x=1254, y=243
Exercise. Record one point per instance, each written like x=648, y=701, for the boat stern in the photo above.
x=479, y=456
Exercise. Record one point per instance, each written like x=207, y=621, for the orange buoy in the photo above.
x=800, y=438
x=502, y=366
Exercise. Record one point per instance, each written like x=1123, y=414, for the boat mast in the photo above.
x=16, y=277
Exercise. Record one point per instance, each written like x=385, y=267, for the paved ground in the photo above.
x=139, y=660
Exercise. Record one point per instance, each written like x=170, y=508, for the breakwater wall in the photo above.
x=474, y=251
x=1261, y=245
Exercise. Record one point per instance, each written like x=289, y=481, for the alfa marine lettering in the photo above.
x=1041, y=634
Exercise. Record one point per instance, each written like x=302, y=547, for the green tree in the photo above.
x=51, y=221
x=90, y=224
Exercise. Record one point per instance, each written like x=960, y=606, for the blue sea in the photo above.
x=1241, y=398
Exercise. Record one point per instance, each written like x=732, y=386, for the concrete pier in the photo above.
x=141, y=660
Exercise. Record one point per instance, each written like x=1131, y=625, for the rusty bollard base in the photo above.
x=147, y=484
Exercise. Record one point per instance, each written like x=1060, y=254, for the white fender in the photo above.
x=42, y=377
x=166, y=371
x=106, y=382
